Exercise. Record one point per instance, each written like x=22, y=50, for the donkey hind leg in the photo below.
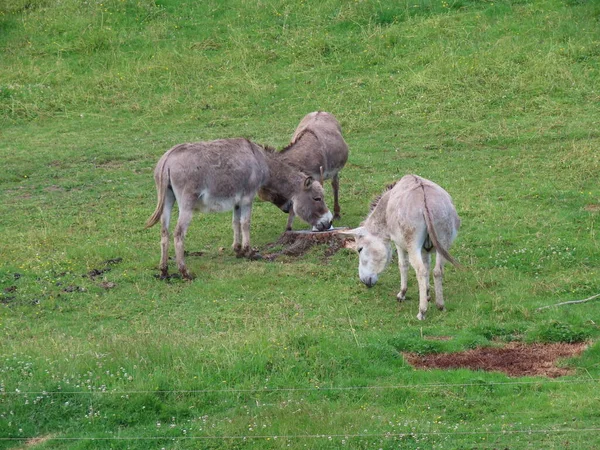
x=237, y=231
x=335, y=184
x=415, y=258
x=183, y=222
x=438, y=276
x=403, y=266
x=165, y=220
x=426, y=257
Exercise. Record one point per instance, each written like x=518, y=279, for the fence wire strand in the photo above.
x=310, y=436
x=483, y=384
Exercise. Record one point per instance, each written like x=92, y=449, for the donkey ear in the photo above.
x=308, y=182
x=354, y=233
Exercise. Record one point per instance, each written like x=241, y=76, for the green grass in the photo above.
x=498, y=102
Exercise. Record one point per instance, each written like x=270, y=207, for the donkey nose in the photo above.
x=322, y=225
x=370, y=281
x=325, y=221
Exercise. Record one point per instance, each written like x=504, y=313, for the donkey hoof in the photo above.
x=255, y=256
x=188, y=276
x=441, y=307
x=401, y=296
x=421, y=316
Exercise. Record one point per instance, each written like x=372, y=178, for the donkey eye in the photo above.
x=317, y=199
x=360, y=249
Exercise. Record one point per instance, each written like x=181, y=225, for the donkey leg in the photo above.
x=165, y=220
x=245, y=216
x=290, y=221
x=414, y=256
x=403, y=266
x=185, y=217
x=335, y=184
x=426, y=257
x=438, y=276
x=237, y=230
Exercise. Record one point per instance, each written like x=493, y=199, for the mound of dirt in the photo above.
x=297, y=243
x=514, y=359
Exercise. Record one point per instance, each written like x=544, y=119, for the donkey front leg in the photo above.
x=403, y=266
x=245, y=216
x=335, y=184
x=290, y=221
x=416, y=261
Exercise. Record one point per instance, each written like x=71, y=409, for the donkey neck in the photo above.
x=283, y=177
x=306, y=152
x=376, y=222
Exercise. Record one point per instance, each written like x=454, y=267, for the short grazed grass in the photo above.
x=497, y=102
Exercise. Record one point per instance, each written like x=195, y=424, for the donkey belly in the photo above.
x=208, y=202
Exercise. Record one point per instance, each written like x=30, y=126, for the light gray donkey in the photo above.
x=419, y=217
x=319, y=150
x=226, y=175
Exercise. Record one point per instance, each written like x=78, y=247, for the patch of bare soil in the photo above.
x=33, y=442
x=592, y=207
x=515, y=359
x=297, y=243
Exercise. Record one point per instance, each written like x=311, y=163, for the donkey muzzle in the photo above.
x=369, y=281
x=324, y=222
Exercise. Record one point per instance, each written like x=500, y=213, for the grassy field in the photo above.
x=496, y=101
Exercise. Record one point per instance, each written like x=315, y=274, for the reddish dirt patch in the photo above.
x=514, y=359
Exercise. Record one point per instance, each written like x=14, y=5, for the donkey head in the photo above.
x=374, y=254
x=309, y=203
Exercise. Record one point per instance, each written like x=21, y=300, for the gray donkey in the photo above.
x=226, y=175
x=419, y=217
x=319, y=150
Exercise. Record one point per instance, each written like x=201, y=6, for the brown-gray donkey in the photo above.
x=318, y=149
x=225, y=175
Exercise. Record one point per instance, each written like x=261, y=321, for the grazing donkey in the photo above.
x=419, y=217
x=225, y=175
x=319, y=150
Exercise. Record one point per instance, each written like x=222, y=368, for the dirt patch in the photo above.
x=33, y=442
x=515, y=359
x=297, y=243
x=437, y=338
x=54, y=188
x=97, y=272
x=592, y=207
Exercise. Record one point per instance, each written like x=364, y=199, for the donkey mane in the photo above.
x=267, y=148
x=300, y=136
x=375, y=202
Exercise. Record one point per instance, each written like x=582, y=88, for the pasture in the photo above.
x=496, y=101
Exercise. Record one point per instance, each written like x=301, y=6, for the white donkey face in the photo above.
x=374, y=255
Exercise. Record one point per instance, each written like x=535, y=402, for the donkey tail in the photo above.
x=162, y=184
x=433, y=235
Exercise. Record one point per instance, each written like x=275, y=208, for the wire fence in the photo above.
x=515, y=424
x=104, y=390
x=312, y=436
